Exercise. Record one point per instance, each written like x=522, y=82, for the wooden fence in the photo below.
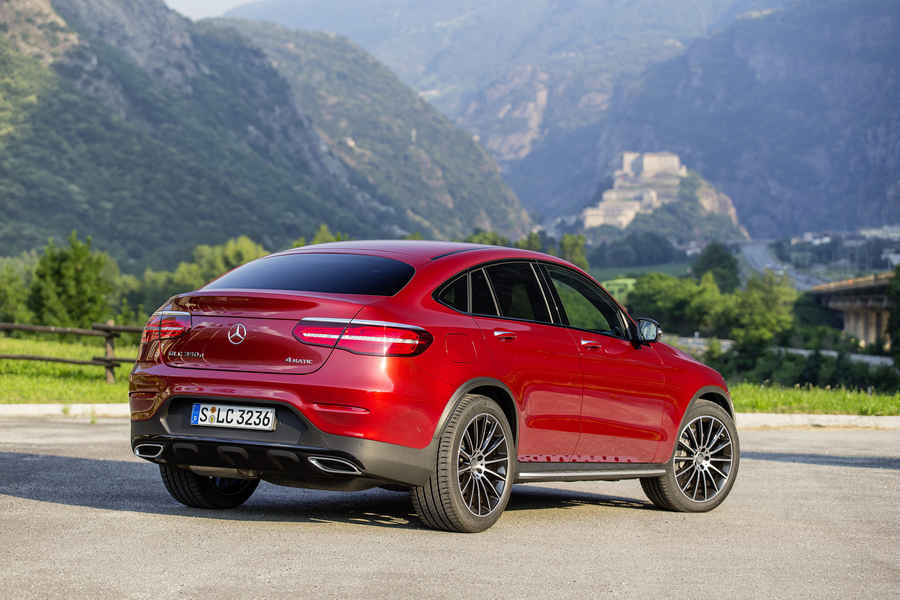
x=109, y=331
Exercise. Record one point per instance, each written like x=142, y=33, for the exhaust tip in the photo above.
x=334, y=465
x=148, y=450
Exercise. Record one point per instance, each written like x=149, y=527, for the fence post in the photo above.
x=110, y=354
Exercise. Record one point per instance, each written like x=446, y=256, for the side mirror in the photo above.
x=649, y=330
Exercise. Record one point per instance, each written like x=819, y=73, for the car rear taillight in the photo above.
x=364, y=337
x=165, y=325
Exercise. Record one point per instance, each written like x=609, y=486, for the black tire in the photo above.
x=710, y=453
x=444, y=501
x=198, y=491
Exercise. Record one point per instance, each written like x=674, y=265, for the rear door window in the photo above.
x=518, y=293
x=329, y=273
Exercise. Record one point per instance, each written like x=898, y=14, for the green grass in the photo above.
x=33, y=382
x=673, y=269
x=750, y=397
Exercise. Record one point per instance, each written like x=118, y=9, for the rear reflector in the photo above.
x=166, y=325
x=364, y=337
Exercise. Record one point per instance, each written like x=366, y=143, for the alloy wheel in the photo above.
x=482, y=464
x=704, y=459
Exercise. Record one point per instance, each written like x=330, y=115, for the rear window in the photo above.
x=329, y=273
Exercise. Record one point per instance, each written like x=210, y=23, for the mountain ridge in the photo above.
x=153, y=133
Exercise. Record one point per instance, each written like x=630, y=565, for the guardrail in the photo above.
x=109, y=331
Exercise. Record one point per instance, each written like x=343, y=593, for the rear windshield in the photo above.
x=330, y=273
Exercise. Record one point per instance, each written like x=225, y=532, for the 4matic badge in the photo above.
x=298, y=361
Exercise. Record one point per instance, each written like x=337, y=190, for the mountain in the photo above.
x=153, y=133
x=786, y=106
x=515, y=72
x=792, y=113
x=403, y=147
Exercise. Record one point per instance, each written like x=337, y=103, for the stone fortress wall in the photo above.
x=644, y=183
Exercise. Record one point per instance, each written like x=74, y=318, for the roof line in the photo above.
x=458, y=251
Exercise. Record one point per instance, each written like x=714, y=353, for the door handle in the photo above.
x=591, y=345
x=504, y=336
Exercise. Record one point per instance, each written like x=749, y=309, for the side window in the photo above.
x=456, y=294
x=585, y=305
x=482, y=300
x=518, y=292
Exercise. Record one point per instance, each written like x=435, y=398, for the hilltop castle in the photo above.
x=644, y=183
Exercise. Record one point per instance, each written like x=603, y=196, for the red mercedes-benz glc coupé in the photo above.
x=453, y=370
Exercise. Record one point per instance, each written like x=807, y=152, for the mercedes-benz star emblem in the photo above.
x=237, y=333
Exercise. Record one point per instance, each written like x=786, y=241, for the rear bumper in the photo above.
x=282, y=456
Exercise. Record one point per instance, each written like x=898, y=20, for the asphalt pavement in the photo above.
x=814, y=514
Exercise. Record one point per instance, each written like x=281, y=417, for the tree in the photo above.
x=666, y=299
x=894, y=320
x=638, y=248
x=72, y=286
x=705, y=305
x=532, y=241
x=324, y=235
x=488, y=238
x=571, y=248
x=209, y=263
x=762, y=311
x=717, y=259
x=13, y=294
x=213, y=261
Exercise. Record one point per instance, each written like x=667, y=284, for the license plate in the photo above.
x=235, y=417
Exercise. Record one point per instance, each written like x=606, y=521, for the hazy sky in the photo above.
x=197, y=9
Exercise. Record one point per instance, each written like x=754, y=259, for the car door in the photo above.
x=624, y=386
x=537, y=360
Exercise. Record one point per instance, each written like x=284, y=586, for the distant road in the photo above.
x=760, y=257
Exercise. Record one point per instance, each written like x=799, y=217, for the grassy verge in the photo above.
x=40, y=382
x=749, y=397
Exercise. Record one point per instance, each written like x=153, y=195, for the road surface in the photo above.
x=814, y=514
